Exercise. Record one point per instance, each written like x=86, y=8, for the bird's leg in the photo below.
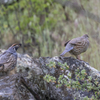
x=81, y=60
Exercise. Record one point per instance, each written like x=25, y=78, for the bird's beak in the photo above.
x=20, y=45
x=17, y=46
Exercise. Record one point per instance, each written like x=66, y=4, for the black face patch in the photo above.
x=17, y=46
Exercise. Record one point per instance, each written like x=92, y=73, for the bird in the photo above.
x=8, y=59
x=76, y=46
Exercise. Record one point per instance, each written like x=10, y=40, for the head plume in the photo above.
x=16, y=44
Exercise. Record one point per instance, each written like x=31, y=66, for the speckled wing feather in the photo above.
x=5, y=57
x=11, y=63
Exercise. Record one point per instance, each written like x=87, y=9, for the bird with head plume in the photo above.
x=8, y=59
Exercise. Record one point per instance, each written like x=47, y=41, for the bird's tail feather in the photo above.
x=63, y=52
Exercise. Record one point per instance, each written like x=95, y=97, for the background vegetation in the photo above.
x=43, y=26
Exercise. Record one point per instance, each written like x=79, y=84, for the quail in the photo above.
x=76, y=46
x=8, y=59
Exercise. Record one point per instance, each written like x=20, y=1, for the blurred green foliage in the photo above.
x=30, y=22
x=43, y=26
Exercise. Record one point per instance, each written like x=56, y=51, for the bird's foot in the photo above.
x=61, y=57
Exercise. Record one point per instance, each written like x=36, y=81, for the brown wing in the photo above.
x=12, y=59
x=6, y=57
x=76, y=41
x=10, y=64
x=7, y=61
